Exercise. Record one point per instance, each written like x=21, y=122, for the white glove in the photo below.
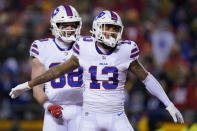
x=174, y=112
x=19, y=89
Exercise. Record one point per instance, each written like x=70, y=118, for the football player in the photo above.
x=62, y=99
x=106, y=59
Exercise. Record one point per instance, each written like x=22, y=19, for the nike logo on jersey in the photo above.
x=119, y=113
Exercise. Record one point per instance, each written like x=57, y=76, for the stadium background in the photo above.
x=165, y=31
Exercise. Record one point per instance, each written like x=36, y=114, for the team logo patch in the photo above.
x=65, y=53
x=104, y=57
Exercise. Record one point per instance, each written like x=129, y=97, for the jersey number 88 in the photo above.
x=70, y=77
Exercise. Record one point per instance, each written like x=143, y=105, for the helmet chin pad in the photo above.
x=68, y=39
x=111, y=42
x=66, y=36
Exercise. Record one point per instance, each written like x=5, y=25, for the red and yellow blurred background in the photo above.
x=165, y=31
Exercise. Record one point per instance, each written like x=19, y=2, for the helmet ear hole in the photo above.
x=58, y=24
x=77, y=23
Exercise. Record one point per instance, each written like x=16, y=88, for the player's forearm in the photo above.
x=50, y=74
x=154, y=87
x=39, y=94
x=54, y=72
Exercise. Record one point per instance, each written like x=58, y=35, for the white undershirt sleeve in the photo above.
x=154, y=87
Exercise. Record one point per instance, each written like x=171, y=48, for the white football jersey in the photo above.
x=104, y=75
x=67, y=88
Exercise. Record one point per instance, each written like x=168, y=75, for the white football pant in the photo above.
x=71, y=115
x=91, y=121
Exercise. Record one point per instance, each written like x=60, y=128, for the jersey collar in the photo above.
x=100, y=52
x=61, y=49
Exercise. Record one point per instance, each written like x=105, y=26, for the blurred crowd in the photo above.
x=165, y=31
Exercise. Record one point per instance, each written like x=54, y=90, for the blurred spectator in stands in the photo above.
x=164, y=30
x=162, y=41
x=179, y=93
x=176, y=66
x=192, y=90
x=184, y=40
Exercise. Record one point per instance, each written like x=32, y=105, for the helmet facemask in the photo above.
x=67, y=31
x=109, y=37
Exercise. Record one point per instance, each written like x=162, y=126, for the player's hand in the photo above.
x=174, y=112
x=55, y=110
x=19, y=89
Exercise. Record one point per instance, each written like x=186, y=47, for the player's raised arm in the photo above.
x=50, y=74
x=154, y=87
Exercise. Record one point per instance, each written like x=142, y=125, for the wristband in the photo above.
x=46, y=104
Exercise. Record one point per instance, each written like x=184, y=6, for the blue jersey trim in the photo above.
x=34, y=45
x=134, y=55
x=75, y=50
x=35, y=51
x=61, y=49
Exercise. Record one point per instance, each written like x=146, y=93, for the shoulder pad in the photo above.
x=43, y=40
x=87, y=38
x=125, y=42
